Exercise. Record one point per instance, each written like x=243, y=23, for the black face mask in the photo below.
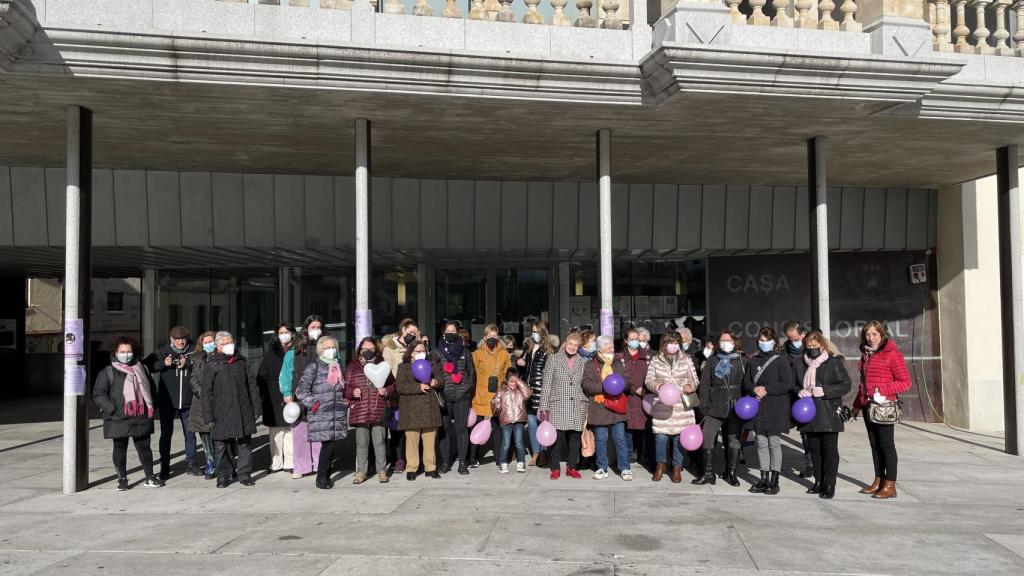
x=491, y=342
x=451, y=338
x=511, y=350
x=813, y=353
x=408, y=338
x=368, y=355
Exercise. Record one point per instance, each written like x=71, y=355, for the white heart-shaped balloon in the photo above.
x=377, y=374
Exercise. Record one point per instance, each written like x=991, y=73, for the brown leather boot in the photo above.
x=874, y=486
x=677, y=475
x=888, y=490
x=533, y=460
x=659, y=471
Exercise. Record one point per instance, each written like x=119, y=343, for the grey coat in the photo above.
x=328, y=421
x=562, y=394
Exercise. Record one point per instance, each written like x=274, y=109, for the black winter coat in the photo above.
x=833, y=377
x=696, y=351
x=196, y=418
x=780, y=383
x=717, y=396
x=326, y=407
x=270, y=387
x=230, y=397
x=535, y=376
x=108, y=393
x=464, y=389
x=175, y=384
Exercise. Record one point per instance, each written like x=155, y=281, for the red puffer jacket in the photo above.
x=368, y=410
x=885, y=370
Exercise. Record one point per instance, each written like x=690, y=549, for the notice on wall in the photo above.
x=74, y=380
x=73, y=338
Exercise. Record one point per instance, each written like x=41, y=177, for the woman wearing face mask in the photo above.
x=771, y=379
x=635, y=361
x=124, y=393
x=883, y=377
x=721, y=385
x=305, y=453
x=670, y=367
x=457, y=381
x=705, y=354
x=367, y=406
x=644, y=338
x=321, y=391
x=419, y=413
x=826, y=380
x=268, y=380
x=564, y=404
x=394, y=345
x=588, y=348
x=794, y=350
x=197, y=422
x=606, y=414
x=535, y=356
x=490, y=362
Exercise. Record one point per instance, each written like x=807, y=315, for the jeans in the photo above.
x=883, y=448
x=121, y=455
x=532, y=423
x=618, y=433
x=167, y=434
x=455, y=431
x=226, y=451
x=769, y=452
x=364, y=435
x=507, y=432
x=661, y=442
x=825, y=454
x=567, y=441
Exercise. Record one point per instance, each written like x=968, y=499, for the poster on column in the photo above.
x=74, y=380
x=74, y=348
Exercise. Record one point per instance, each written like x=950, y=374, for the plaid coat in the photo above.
x=562, y=394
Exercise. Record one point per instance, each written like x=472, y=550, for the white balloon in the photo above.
x=292, y=411
x=377, y=374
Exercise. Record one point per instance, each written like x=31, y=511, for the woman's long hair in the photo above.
x=304, y=342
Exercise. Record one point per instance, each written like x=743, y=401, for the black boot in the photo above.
x=191, y=469
x=730, y=469
x=709, y=469
x=815, y=488
x=761, y=485
x=773, y=484
x=828, y=488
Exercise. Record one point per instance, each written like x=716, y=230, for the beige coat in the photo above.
x=679, y=372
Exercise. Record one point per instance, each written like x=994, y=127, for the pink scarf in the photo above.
x=333, y=373
x=812, y=369
x=137, y=401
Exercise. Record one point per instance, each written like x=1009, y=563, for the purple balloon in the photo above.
x=614, y=385
x=648, y=403
x=422, y=371
x=804, y=410
x=746, y=407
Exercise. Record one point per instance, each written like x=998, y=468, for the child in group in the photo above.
x=509, y=404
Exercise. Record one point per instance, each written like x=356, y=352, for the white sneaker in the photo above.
x=521, y=467
x=504, y=468
x=600, y=475
x=627, y=475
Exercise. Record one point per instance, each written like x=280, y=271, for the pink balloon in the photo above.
x=546, y=434
x=691, y=438
x=648, y=403
x=472, y=418
x=669, y=394
x=481, y=433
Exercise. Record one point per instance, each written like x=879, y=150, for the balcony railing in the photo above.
x=971, y=33
x=796, y=14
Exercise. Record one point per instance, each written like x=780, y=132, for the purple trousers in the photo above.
x=306, y=454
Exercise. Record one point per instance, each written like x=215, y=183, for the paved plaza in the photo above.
x=960, y=511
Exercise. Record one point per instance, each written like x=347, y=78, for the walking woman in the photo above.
x=419, y=413
x=635, y=360
x=536, y=351
x=606, y=414
x=321, y=391
x=268, y=380
x=367, y=406
x=197, y=422
x=457, y=381
x=721, y=385
x=771, y=379
x=305, y=453
x=490, y=362
x=124, y=393
x=564, y=404
x=883, y=377
x=671, y=366
x=826, y=380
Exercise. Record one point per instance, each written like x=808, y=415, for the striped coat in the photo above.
x=562, y=394
x=671, y=419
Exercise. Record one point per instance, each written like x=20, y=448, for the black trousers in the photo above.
x=121, y=455
x=568, y=443
x=455, y=432
x=226, y=451
x=479, y=450
x=824, y=454
x=882, y=438
x=323, y=465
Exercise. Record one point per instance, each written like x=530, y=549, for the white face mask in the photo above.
x=285, y=338
x=707, y=352
x=644, y=345
x=727, y=347
x=536, y=337
x=419, y=356
x=228, y=349
x=314, y=334
x=124, y=357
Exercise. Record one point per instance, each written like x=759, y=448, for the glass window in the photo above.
x=522, y=295
x=393, y=298
x=115, y=301
x=461, y=295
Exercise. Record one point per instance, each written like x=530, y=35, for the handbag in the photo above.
x=588, y=445
x=617, y=404
x=888, y=412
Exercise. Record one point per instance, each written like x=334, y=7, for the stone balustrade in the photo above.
x=835, y=15
x=993, y=27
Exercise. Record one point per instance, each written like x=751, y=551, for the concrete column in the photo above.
x=895, y=26
x=604, y=189
x=77, y=274
x=149, y=304
x=817, y=185
x=364, y=316
x=1010, y=289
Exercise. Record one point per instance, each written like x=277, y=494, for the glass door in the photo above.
x=523, y=295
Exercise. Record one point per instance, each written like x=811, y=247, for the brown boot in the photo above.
x=677, y=475
x=874, y=486
x=359, y=479
x=659, y=470
x=542, y=460
x=533, y=460
x=888, y=490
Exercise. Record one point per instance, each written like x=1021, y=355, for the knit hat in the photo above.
x=179, y=332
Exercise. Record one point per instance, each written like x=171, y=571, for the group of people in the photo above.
x=424, y=408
